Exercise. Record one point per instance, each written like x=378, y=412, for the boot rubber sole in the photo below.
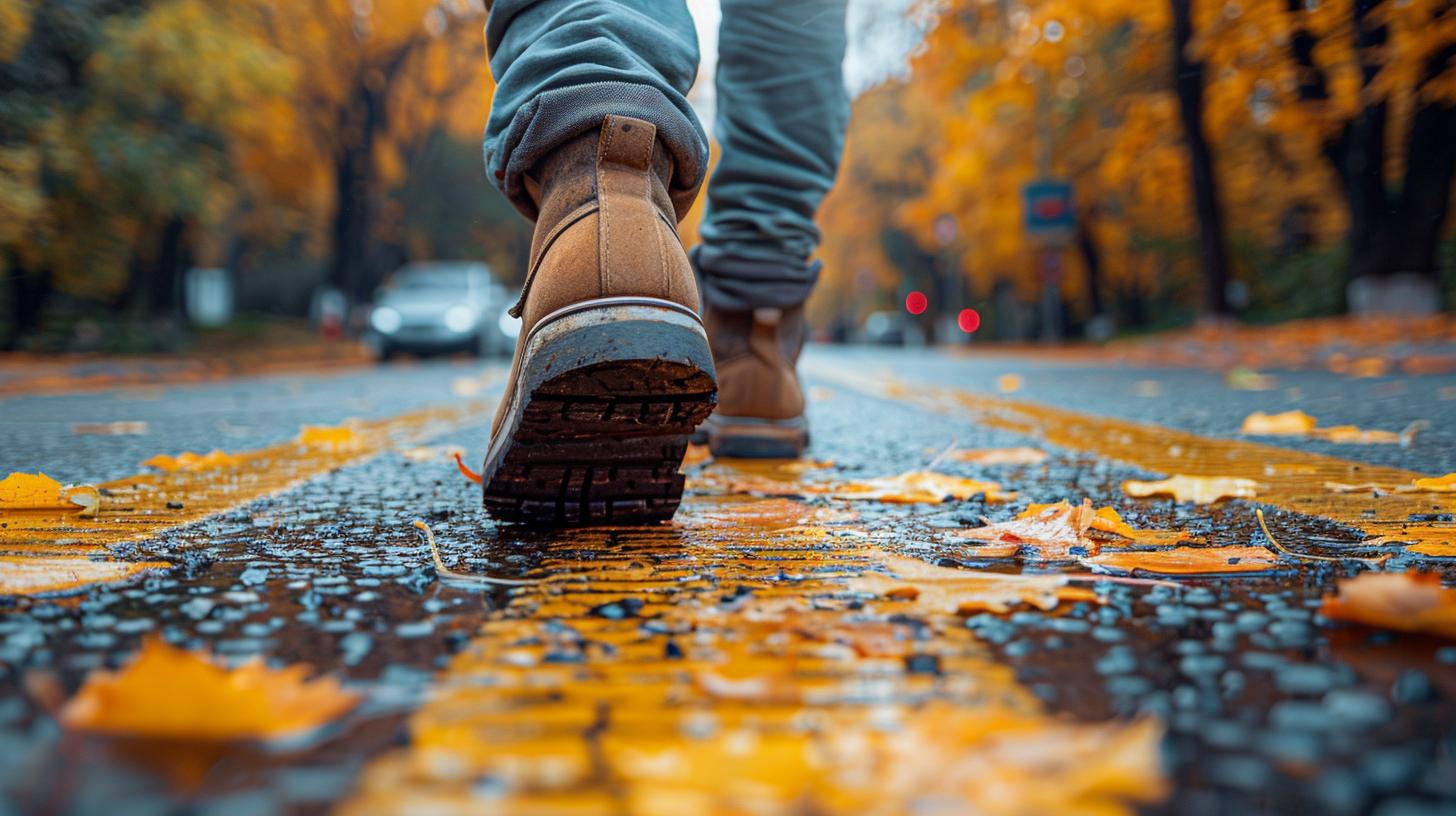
x=607, y=395
x=752, y=438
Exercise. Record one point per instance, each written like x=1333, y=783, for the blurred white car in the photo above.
x=436, y=307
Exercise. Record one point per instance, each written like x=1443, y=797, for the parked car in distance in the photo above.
x=438, y=307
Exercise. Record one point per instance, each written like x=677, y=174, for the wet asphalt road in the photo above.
x=1267, y=709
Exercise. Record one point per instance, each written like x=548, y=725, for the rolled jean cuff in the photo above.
x=735, y=283
x=556, y=116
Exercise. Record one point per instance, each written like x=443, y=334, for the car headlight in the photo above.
x=385, y=320
x=460, y=319
x=509, y=326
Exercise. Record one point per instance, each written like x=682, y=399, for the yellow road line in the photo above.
x=1291, y=480
x=719, y=666
x=139, y=507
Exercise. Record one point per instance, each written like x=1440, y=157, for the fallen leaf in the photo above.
x=1247, y=379
x=1000, y=456
x=919, y=487
x=1366, y=367
x=1440, y=484
x=322, y=436
x=423, y=455
x=1008, y=383
x=30, y=575
x=171, y=693
x=1196, y=489
x=189, y=461
x=1409, y=602
x=37, y=491
x=696, y=455
x=776, y=514
x=961, y=592
x=466, y=471
x=109, y=428
x=1186, y=560
x=1051, y=532
x=1289, y=423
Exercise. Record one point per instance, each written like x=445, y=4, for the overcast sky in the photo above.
x=881, y=41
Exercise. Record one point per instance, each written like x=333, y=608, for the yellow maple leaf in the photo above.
x=37, y=491
x=1410, y=602
x=955, y=591
x=919, y=487
x=1288, y=423
x=1196, y=489
x=1186, y=560
x=172, y=693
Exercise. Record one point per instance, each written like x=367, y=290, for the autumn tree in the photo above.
x=114, y=141
x=1368, y=88
x=375, y=79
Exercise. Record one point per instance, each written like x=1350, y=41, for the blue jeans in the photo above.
x=562, y=65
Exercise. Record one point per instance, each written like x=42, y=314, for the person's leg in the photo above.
x=590, y=136
x=561, y=66
x=782, y=114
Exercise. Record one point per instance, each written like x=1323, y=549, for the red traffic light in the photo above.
x=916, y=302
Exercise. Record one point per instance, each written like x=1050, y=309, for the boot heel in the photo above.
x=608, y=392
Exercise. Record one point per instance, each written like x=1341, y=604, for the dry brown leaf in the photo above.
x=1000, y=456
x=1289, y=423
x=1410, y=602
x=952, y=591
x=1186, y=560
x=919, y=487
x=1196, y=489
x=171, y=693
x=30, y=575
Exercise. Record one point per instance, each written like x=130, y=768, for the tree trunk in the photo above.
x=1188, y=82
x=1092, y=259
x=173, y=257
x=29, y=291
x=1425, y=196
x=354, y=184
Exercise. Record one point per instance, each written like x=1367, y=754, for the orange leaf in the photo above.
x=955, y=591
x=1196, y=489
x=30, y=575
x=919, y=487
x=1410, y=602
x=321, y=436
x=1289, y=423
x=37, y=491
x=1187, y=560
x=469, y=474
x=1001, y=456
x=171, y=693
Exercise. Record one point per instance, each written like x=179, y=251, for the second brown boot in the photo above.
x=612, y=370
x=760, y=411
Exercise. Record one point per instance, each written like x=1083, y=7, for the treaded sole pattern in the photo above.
x=735, y=438
x=602, y=444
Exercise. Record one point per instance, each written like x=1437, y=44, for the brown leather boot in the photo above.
x=760, y=402
x=612, y=369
